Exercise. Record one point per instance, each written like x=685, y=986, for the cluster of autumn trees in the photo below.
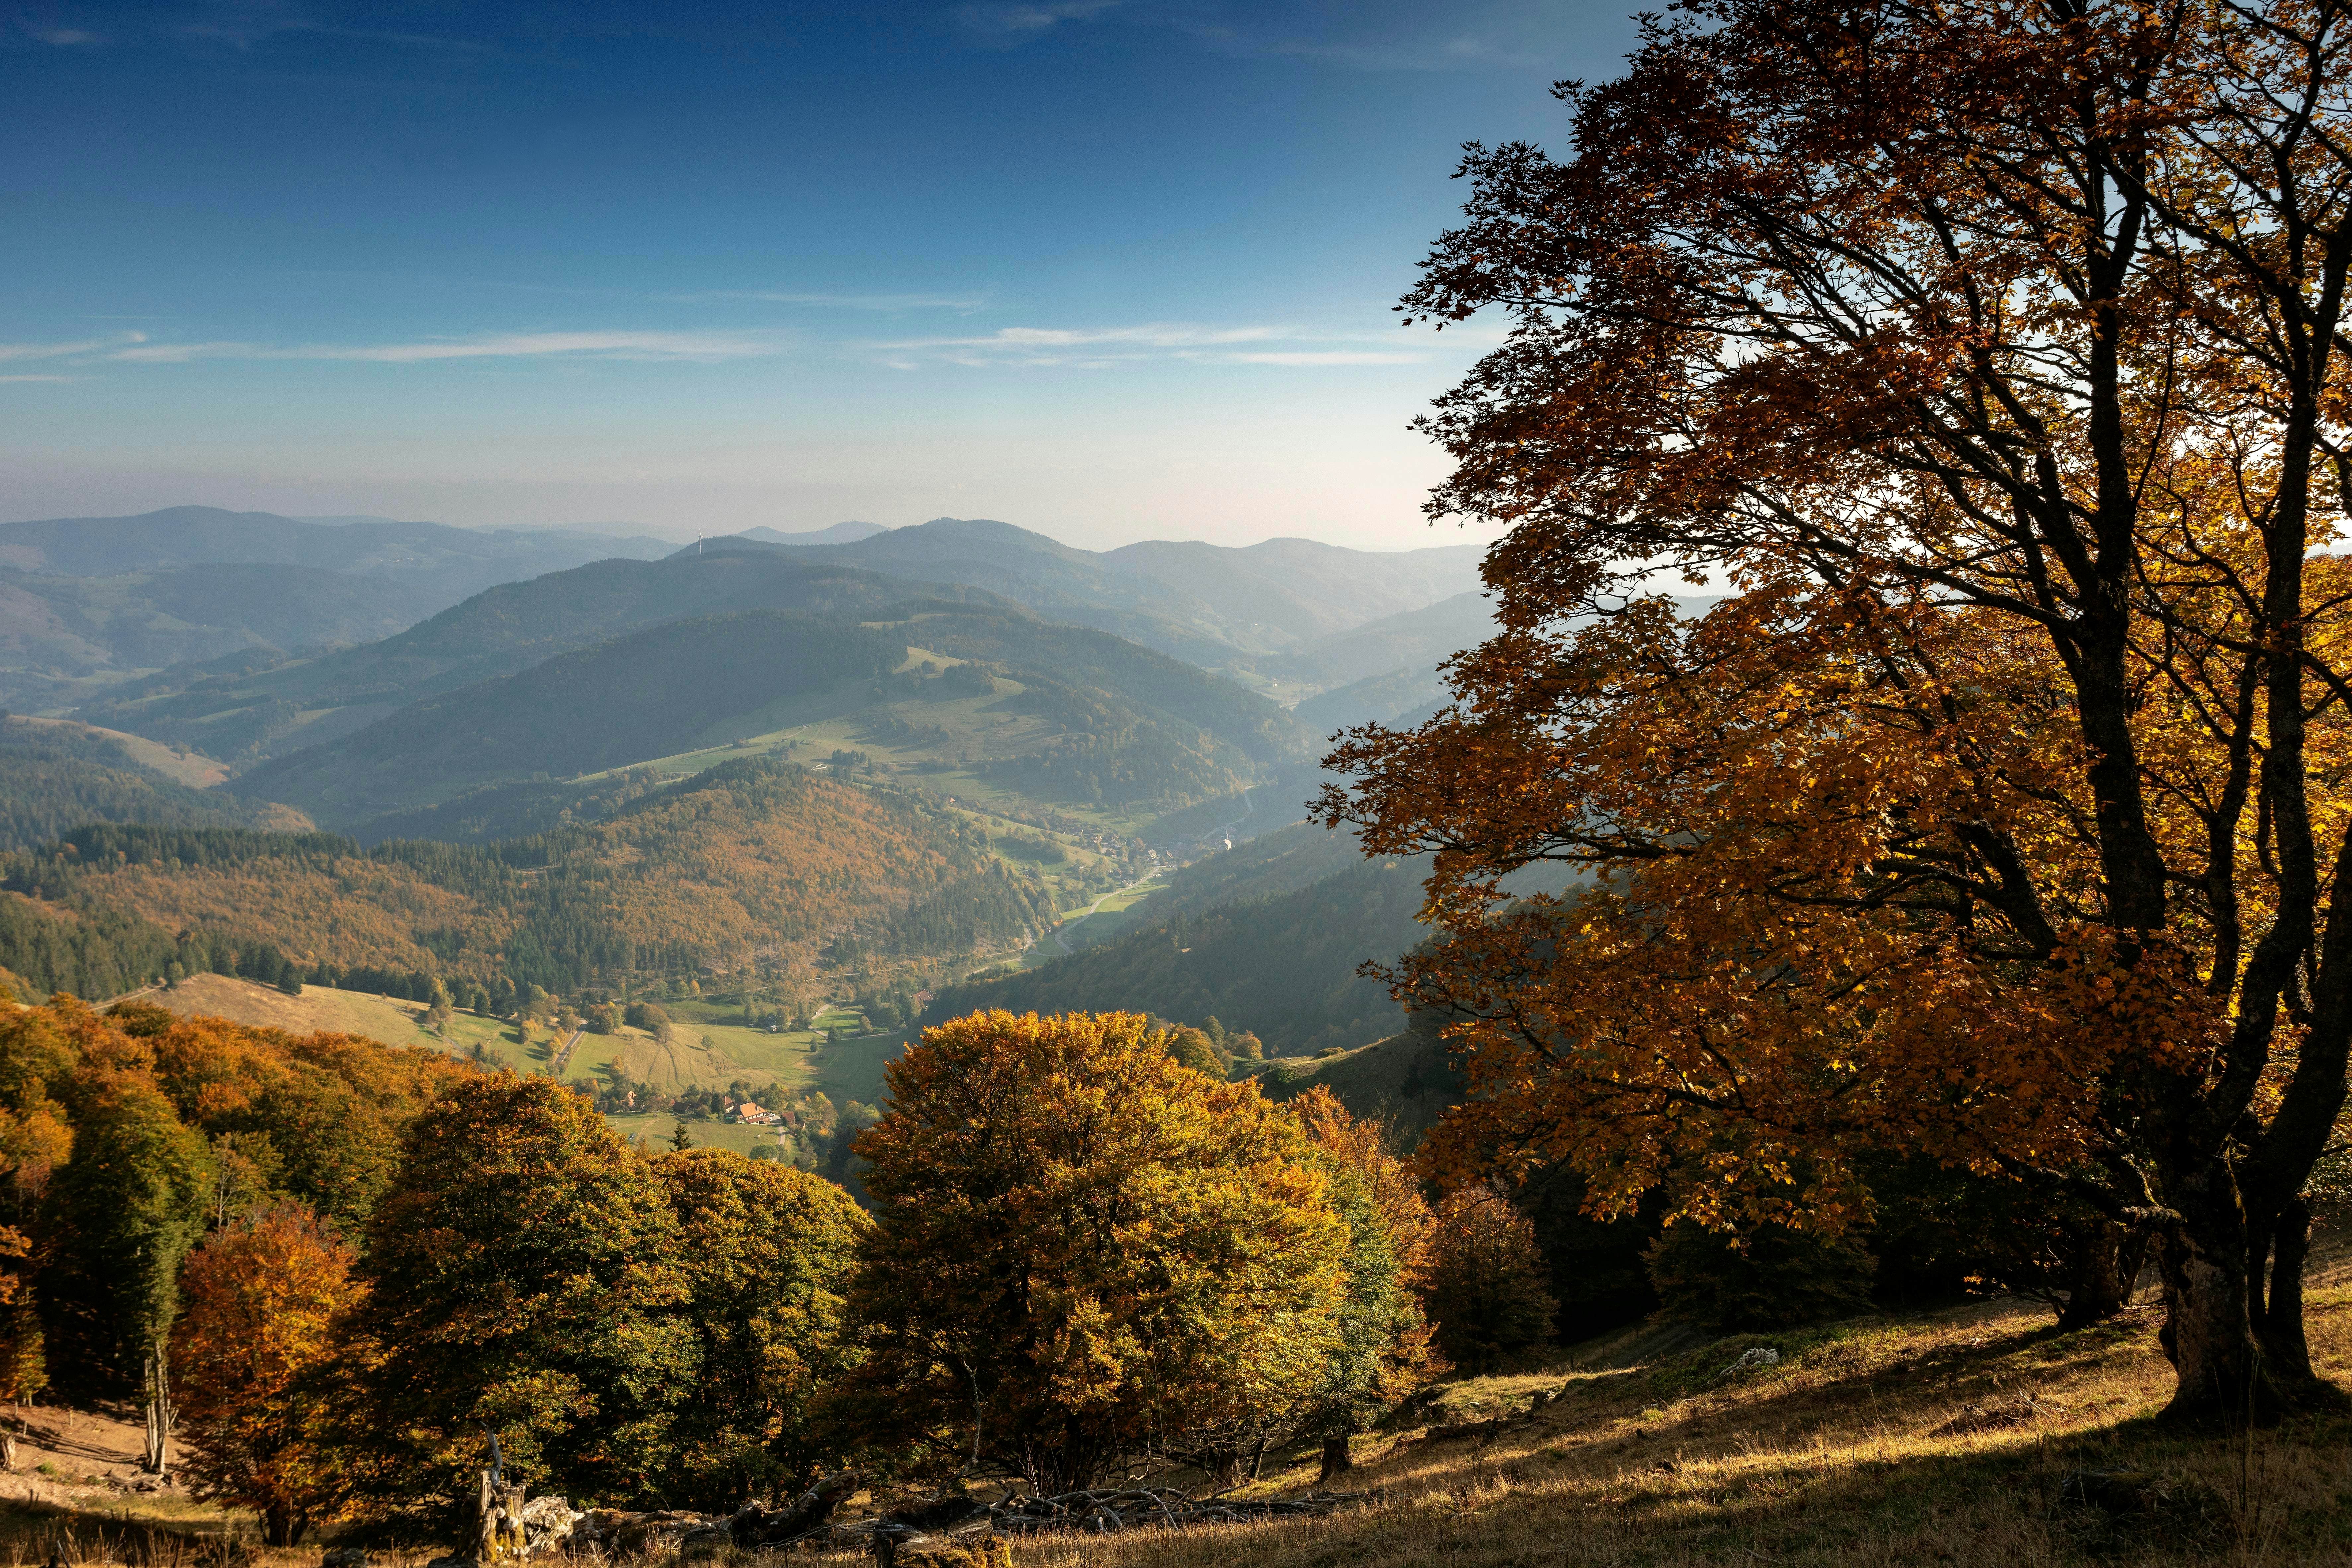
x=345, y=1264
x=1989, y=358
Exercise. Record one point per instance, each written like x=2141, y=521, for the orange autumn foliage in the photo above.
x=1989, y=358
x=263, y=1296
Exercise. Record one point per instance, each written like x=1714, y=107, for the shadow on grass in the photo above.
x=32, y=1531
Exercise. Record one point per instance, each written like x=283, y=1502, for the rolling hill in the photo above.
x=1384, y=698
x=252, y=705
x=1217, y=609
x=453, y=561
x=640, y=696
x=1052, y=712
x=69, y=638
x=1267, y=937
x=1419, y=638
x=839, y=534
x=752, y=863
x=1215, y=606
x=56, y=774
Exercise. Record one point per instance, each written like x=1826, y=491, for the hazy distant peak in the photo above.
x=839, y=534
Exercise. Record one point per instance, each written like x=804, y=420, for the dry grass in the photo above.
x=1873, y=1443
x=1934, y=1440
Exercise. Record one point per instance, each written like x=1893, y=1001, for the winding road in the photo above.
x=1248, y=810
x=1056, y=932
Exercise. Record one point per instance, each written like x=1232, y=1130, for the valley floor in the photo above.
x=1946, y=1438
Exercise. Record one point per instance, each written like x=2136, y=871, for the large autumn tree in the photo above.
x=522, y=1282
x=1085, y=1252
x=1987, y=356
x=766, y=1252
x=262, y=1296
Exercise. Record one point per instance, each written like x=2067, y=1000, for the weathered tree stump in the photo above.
x=498, y=1523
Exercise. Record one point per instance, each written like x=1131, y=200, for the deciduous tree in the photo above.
x=766, y=1252
x=1989, y=357
x=522, y=1280
x=1486, y=1292
x=1382, y=1351
x=263, y=1296
x=1085, y=1252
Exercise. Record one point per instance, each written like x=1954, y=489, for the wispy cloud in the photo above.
x=700, y=347
x=65, y=351
x=1367, y=35
x=1334, y=356
x=1026, y=18
x=10, y=379
x=1097, y=348
x=846, y=302
x=59, y=38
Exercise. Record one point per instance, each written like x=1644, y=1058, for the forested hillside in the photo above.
x=750, y=864
x=86, y=602
x=1282, y=965
x=247, y=706
x=54, y=776
x=641, y=696
x=1056, y=712
x=1149, y=681
x=1214, y=605
x=70, y=639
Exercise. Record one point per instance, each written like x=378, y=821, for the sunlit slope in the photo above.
x=746, y=863
x=56, y=774
x=631, y=697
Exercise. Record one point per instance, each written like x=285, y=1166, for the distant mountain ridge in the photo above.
x=1213, y=605
x=460, y=561
x=839, y=534
x=87, y=602
x=243, y=708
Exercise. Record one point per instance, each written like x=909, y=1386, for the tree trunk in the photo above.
x=2209, y=1331
x=2099, y=1276
x=1337, y=1455
x=160, y=1415
x=2278, y=1310
x=277, y=1524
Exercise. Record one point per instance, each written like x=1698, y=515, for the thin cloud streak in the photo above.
x=1027, y=20
x=847, y=302
x=64, y=351
x=1103, y=348
x=696, y=347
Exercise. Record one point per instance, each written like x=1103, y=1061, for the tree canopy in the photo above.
x=1989, y=355
x=522, y=1280
x=1084, y=1251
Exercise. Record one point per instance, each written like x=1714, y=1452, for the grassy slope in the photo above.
x=945, y=732
x=851, y=1069
x=1930, y=1440
x=395, y=1020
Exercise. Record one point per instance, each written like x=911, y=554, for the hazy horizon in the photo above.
x=1443, y=537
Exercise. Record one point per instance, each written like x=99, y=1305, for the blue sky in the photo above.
x=1110, y=268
